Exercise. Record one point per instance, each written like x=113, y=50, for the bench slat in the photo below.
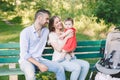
x=88, y=42
x=78, y=49
x=9, y=45
x=5, y=72
x=9, y=52
x=87, y=49
x=48, y=51
x=15, y=59
x=91, y=55
x=9, y=60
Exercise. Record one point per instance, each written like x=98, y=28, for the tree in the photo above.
x=109, y=10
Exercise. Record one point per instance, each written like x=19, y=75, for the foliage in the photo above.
x=17, y=19
x=79, y=10
x=88, y=29
x=46, y=76
x=108, y=10
x=6, y=6
x=26, y=9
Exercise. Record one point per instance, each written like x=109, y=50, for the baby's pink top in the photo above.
x=71, y=42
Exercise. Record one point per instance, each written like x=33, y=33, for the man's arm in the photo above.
x=24, y=40
x=41, y=67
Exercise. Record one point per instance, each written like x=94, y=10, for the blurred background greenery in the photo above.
x=93, y=18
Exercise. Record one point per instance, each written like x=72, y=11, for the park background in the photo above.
x=94, y=19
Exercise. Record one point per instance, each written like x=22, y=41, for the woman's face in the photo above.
x=57, y=23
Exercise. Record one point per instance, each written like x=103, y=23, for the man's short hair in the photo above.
x=40, y=12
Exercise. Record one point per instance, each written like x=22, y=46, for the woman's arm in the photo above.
x=64, y=34
x=58, y=46
x=54, y=42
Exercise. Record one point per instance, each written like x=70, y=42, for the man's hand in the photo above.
x=42, y=67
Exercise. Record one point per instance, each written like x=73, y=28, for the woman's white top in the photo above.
x=54, y=38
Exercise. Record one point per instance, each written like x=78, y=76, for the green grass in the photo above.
x=9, y=33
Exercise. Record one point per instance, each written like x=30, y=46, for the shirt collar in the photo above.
x=33, y=28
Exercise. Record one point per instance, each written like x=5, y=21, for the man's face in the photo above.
x=44, y=19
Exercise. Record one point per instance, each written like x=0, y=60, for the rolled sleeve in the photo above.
x=27, y=56
x=24, y=43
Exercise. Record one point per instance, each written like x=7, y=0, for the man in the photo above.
x=32, y=43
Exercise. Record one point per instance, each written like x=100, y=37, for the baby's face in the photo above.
x=68, y=24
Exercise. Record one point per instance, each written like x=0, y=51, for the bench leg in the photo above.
x=90, y=78
x=13, y=77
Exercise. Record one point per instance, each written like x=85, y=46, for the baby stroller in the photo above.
x=110, y=63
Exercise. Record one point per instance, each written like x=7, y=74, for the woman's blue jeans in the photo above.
x=78, y=68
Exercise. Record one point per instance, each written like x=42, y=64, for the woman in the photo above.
x=78, y=68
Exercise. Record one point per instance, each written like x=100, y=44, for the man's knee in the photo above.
x=30, y=76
